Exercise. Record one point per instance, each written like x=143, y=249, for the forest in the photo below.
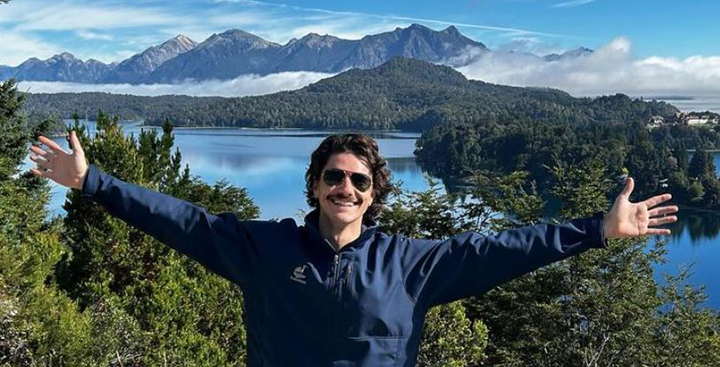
x=88, y=290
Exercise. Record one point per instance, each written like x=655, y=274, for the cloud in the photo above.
x=84, y=34
x=66, y=16
x=245, y=85
x=573, y=3
x=611, y=69
x=344, y=14
x=16, y=48
x=529, y=44
x=85, y=28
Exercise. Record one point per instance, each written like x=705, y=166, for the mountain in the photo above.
x=135, y=68
x=314, y=52
x=234, y=52
x=222, y=56
x=572, y=54
x=417, y=42
x=6, y=72
x=62, y=68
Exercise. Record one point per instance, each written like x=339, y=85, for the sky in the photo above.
x=644, y=47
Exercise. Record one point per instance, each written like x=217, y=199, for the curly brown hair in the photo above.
x=365, y=148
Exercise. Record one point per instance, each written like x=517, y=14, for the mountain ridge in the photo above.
x=230, y=54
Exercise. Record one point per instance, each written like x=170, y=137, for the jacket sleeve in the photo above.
x=221, y=243
x=437, y=272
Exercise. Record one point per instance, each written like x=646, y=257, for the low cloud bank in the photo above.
x=246, y=85
x=608, y=70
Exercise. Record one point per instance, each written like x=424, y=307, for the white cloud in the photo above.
x=67, y=16
x=572, y=3
x=88, y=35
x=530, y=44
x=16, y=48
x=611, y=69
x=242, y=86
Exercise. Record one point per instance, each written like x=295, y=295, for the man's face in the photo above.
x=343, y=204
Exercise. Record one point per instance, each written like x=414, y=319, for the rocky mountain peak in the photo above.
x=451, y=30
x=237, y=37
x=314, y=40
x=180, y=42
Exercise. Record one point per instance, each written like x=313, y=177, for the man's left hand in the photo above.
x=627, y=219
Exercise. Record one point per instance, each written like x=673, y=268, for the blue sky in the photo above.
x=643, y=47
x=112, y=30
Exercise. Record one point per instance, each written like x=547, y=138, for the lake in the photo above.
x=271, y=165
x=694, y=103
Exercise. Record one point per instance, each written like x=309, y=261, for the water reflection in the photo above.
x=695, y=226
x=403, y=165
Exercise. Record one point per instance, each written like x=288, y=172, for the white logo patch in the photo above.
x=299, y=274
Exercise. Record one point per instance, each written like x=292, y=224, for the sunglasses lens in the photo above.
x=360, y=181
x=333, y=177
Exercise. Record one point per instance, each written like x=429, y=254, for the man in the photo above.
x=336, y=291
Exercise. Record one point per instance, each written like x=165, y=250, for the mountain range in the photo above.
x=234, y=52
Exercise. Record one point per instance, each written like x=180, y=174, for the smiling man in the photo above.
x=335, y=291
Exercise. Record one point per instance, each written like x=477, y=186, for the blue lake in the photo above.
x=271, y=165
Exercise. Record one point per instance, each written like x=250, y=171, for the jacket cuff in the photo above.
x=92, y=181
x=598, y=239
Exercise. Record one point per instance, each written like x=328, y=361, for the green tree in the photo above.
x=602, y=308
x=701, y=165
x=41, y=325
x=188, y=315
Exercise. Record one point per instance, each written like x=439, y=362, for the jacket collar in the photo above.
x=312, y=223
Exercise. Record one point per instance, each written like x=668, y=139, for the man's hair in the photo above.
x=366, y=149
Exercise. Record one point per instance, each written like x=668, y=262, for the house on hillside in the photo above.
x=655, y=121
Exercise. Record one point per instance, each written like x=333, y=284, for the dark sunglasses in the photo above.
x=335, y=176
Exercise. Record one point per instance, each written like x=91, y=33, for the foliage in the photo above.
x=602, y=308
x=188, y=315
x=88, y=290
x=657, y=159
x=41, y=325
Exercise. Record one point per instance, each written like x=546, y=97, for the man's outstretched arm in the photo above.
x=469, y=264
x=221, y=243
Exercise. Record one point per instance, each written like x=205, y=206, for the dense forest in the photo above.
x=86, y=289
x=400, y=94
x=657, y=158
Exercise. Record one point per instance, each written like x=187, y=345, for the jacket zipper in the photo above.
x=334, y=291
x=348, y=271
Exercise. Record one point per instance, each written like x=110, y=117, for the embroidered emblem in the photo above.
x=299, y=274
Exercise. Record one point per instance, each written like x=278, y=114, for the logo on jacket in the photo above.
x=299, y=274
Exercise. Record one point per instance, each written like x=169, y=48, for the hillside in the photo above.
x=400, y=94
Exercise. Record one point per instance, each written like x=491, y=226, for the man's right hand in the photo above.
x=67, y=169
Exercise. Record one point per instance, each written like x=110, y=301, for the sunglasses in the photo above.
x=335, y=176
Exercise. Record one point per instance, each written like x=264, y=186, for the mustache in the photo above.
x=344, y=197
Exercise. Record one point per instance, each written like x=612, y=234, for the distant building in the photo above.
x=696, y=121
x=657, y=120
x=690, y=119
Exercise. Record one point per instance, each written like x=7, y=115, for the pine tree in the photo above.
x=189, y=316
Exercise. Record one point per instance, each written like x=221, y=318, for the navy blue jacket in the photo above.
x=364, y=305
